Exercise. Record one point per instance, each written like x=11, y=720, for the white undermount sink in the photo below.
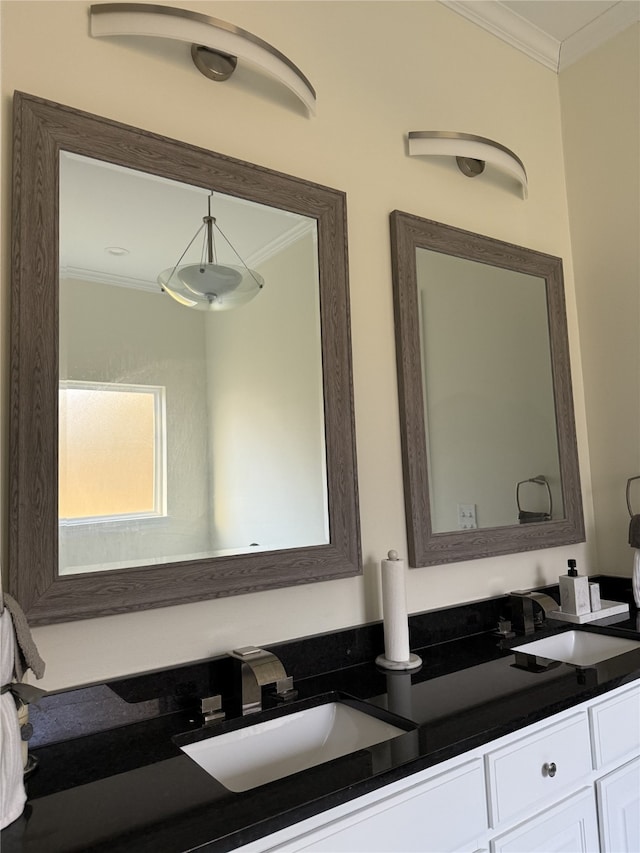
x=264, y=751
x=579, y=648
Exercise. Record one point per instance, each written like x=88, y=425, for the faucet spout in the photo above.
x=522, y=608
x=259, y=668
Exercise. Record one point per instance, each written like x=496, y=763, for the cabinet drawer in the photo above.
x=615, y=728
x=444, y=813
x=538, y=767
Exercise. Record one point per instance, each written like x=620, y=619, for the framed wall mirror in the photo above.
x=160, y=453
x=489, y=448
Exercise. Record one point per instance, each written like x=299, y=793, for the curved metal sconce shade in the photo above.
x=471, y=153
x=216, y=45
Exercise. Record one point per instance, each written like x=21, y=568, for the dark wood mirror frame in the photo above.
x=427, y=548
x=41, y=130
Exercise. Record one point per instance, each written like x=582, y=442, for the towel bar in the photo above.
x=629, y=481
x=523, y=516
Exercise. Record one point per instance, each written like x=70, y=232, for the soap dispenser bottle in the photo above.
x=574, y=592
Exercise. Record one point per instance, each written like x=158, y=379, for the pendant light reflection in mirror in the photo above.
x=209, y=285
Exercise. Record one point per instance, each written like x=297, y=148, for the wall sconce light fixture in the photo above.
x=471, y=153
x=216, y=45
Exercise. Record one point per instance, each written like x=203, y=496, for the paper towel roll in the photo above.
x=396, y=625
x=394, y=608
x=635, y=578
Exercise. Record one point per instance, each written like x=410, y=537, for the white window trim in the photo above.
x=160, y=452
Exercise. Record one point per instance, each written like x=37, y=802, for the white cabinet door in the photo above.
x=618, y=796
x=615, y=728
x=568, y=827
x=445, y=813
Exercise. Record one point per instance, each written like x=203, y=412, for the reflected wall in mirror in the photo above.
x=487, y=384
x=487, y=425
x=161, y=454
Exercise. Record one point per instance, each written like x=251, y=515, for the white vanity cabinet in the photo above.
x=568, y=783
x=536, y=787
x=615, y=727
x=441, y=812
x=618, y=795
x=569, y=825
x=615, y=731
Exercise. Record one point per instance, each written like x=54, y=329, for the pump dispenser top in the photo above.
x=574, y=591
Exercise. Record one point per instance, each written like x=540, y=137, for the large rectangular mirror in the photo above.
x=487, y=424
x=159, y=453
x=183, y=434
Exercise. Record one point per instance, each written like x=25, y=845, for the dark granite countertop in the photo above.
x=131, y=788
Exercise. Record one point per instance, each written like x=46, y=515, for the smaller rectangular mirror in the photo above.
x=487, y=425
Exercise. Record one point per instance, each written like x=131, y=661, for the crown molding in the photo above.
x=507, y=25
x=616, y=19
x=499, y=20
x=305, y=226
x=101, y=277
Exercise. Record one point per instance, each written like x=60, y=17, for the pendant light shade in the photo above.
x=209, y=285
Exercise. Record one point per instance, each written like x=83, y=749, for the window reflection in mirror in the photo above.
x=243, y=389
x=488, y=392
x=112, y=451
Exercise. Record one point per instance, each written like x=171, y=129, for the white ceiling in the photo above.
x=102, y=239
x=556, y=33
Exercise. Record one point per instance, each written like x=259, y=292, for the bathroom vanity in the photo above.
x=489, y=755
x=569, y=780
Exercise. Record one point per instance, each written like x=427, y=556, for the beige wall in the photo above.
x=380, y=70
x=266, y=410
x=600, y=97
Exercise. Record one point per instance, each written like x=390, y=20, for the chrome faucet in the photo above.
x=258, y=668
x=522, y=608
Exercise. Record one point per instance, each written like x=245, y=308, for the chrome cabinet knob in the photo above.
x=549, y=769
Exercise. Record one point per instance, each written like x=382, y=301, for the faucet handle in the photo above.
x=285, y=690
x=211, y=709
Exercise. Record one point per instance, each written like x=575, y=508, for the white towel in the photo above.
x=636, y=576
x=12, y=792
